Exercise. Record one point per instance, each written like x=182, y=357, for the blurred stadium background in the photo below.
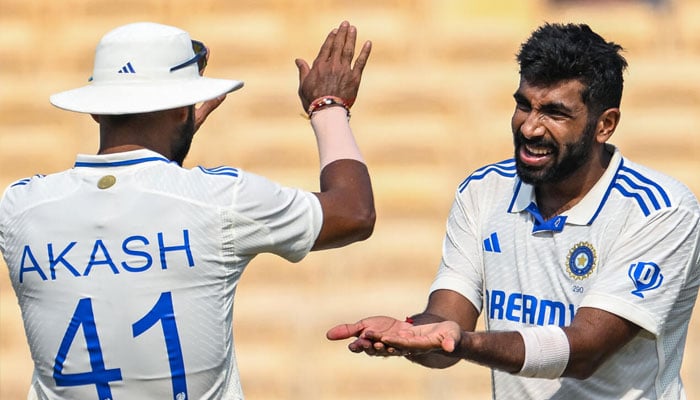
x=434, y=105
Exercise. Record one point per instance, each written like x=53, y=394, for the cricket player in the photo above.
x=584, y=264
x=125, y=266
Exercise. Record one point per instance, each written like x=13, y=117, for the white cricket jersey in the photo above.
x=125, y=268
x=629, y=247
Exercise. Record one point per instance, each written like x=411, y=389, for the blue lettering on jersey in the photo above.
x=525, y=308
x=53, y=262
x=147, y=259
x=645, y=276
x=27, y=256
x=106, y=258
x=134, y=250
x=163, y=249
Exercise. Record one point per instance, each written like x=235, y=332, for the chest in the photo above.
x=539, y=278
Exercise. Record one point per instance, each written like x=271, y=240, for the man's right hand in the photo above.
x=368, y=332
x=332, y=72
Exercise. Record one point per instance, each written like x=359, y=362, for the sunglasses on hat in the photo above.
x=200, y=57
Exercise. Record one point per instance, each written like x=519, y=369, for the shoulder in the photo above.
x=24, y=186
x=650, y=190
x=25, y=181
x=491, y=174
x=220, y=172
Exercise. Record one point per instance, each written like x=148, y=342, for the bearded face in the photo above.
x=563, y=158
x=553, y=135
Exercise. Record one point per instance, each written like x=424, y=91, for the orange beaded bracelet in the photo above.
x=325, y=101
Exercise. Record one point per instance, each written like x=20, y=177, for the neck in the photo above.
x=154, y=131
x=119, y=148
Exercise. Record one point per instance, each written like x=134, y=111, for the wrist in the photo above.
x=324, y=102
x=334, y=137
x=461, y=344
x=547, y=352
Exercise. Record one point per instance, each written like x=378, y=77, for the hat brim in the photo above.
x=137, y=98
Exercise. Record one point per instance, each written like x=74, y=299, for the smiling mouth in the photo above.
x=537, y=151
x=535, y=155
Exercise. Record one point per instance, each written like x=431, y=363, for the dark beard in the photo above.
x=573, y=156
x=181, y=145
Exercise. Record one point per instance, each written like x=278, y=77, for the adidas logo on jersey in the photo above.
x=127, y=69
x=491, y=244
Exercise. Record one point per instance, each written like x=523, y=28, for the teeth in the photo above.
x=537, y=151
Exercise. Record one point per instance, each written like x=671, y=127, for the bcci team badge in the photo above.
x=581, y=261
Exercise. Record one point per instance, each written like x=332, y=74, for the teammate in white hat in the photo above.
x=125, y=266
x=585, y=265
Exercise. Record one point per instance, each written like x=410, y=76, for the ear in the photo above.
x=607, y=123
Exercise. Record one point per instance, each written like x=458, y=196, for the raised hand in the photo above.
x=202, y=112
x=332, y=72
x=368, y=331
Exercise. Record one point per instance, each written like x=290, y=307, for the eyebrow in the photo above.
x=519, y=98
x=552, y=107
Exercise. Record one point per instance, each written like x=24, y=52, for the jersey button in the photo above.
x=106, y=181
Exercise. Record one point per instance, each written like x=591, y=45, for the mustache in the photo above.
x=519, y=139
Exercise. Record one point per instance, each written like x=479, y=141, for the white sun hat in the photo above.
x=144, y=67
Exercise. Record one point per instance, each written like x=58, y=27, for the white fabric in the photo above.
x=546, y=352
x=333, y=136
x=630, y=247
x=151, y=262
x=132, y=74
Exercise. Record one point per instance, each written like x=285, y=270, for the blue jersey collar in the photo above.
x=118, y=159
x=585, y=211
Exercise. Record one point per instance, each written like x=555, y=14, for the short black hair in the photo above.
x=557, y=52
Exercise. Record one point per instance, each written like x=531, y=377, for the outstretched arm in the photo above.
x=443, y=305
x=592, y=338
x=441, y=337
x=346, y=191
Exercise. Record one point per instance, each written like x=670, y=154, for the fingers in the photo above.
x=202, y=112
x=361, y=60
x=361, y=345
x=327, y=47
x=372, y=348
x=348, y=50
x=340, y=42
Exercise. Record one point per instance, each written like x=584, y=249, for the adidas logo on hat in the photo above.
x=127, y=69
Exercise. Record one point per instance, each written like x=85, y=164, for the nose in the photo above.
x=532, y=125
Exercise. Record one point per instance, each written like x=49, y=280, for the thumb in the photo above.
x=344, y=331
x=448, y=344
x=303, y=69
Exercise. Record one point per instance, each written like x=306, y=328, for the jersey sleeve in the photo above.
x=267, y=217
x=461, y=264
x=651, y=273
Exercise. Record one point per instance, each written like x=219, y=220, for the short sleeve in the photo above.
x=461, y=266
x=652, y=271
x=266, y=217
